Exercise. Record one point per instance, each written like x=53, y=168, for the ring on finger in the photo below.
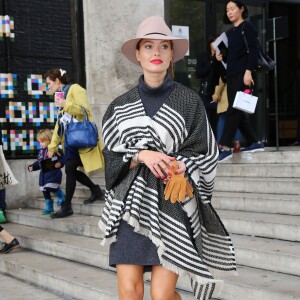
x=159, y=161
x=154, y=164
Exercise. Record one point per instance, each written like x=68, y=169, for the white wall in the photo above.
x=107, y=25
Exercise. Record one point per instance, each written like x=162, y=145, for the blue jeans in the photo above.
x=221, y=121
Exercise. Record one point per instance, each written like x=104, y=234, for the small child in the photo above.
x=49, y=181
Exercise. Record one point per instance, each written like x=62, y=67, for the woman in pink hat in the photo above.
x=158, y=144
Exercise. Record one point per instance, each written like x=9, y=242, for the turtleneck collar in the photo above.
x=167, y=83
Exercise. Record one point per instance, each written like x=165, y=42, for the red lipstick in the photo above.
x=156, y=61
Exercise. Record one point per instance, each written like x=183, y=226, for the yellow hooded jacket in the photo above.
x=92, y=158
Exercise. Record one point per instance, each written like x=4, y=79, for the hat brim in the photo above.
x=180, y=47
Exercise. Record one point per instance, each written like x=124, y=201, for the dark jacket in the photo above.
x=238, y=59
x=48, y=178
x=208, y=70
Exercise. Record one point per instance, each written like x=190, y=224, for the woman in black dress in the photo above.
x=240, y=67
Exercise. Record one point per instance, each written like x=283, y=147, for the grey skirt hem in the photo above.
x=132, y=248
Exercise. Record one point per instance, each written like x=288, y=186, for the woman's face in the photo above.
x=234, y=13
x=53, y=86
x=212, y=48
x=154, y=55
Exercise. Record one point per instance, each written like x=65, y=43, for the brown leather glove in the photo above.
x=177, y=187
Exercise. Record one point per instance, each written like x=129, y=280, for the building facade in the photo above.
x=84, y=37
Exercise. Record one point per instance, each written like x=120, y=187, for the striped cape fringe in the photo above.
x=190, y=237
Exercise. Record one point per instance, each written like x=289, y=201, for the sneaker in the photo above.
x=224, y=154
x=255, y=147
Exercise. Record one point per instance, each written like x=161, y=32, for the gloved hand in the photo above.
x=177, y=187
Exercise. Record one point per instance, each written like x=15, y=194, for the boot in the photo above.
x=65, y=211
x=49, y=207
x=97, y=194
x=61, y=196
x=2, y=217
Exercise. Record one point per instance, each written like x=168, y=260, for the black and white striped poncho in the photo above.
x=179, y=128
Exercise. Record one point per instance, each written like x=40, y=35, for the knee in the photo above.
x=131, y=292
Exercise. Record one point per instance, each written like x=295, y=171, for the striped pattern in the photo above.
x=190, y=237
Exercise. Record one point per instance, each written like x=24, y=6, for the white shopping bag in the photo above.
x=245, y=102
x=7, y=177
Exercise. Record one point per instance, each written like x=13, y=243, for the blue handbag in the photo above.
x=83, y=134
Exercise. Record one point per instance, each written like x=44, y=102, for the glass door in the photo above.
x=190, y=15
x=203, y=19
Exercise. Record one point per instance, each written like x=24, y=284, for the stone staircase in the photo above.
x=257, y=198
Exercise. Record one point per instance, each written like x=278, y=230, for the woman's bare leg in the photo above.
x=163, y=284
x=130, y=282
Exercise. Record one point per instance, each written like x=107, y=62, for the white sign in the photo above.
x=221, y=45
x=182, y=32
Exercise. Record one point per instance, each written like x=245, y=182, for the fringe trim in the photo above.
x=167, y=265
x=105, y=241
x=221, y=273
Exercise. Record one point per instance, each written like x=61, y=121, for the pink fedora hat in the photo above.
x=155, y=28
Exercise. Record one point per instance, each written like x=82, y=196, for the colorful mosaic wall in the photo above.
x=31, y=42
x=7, y=26
x=18, y=115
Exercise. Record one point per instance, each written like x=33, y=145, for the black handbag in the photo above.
x=83, y=134
x=264, y=62
x=203, y=88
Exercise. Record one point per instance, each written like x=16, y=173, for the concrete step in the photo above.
x=258, y=185
x=274, y=226
x=75, y=224
x=257, y=202
x=94, y=209
x=24, y=291
x=286, y=155
x=82, y=191
x=68, y=278
x=76, y=280
x=77, y=248
x=254, y=284
x=267, y=254
x=259, y=170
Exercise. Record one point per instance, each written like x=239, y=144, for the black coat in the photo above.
x=208, y=70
